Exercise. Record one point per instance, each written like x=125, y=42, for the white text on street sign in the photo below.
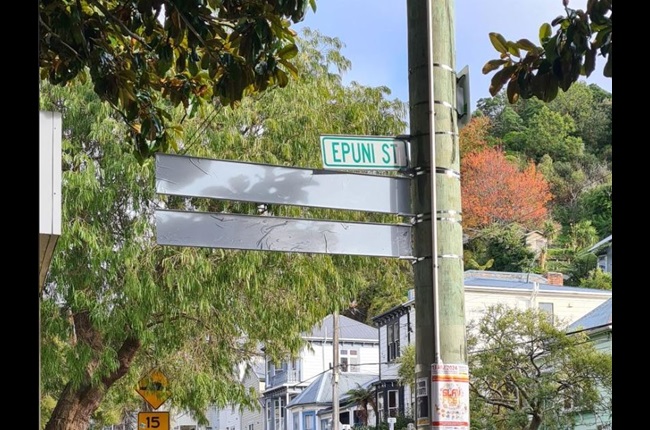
x=363, y=152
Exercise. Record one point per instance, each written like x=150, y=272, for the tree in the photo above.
x=116, y=304
x=597, y=279
x=494, y=190
x=475, y=135
x=187, y=52
x=560, y=60
x=524, y=370
x=547, y=133
x=499, y=247
x=406, y=361
x=364, y=398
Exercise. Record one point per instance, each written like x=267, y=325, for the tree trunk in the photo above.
x=75, y=407
x=535, y=422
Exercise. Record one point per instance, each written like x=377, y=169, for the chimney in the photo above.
x=555, y=278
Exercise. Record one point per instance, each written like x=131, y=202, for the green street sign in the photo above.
x=363, y=152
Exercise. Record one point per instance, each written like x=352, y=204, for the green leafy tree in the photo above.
x=364, y=398
x=547, y=133
x=500, y=248
x=528, y=70
x=597, y=279
x=406, y=360
x=524, y=370
x=186, y=52
x=117, y=305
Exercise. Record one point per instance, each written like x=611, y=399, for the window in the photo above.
x=278, y=407
x=349, y=360
x=251, y=427
x=393, y=403
x=392, y=337
x=324, y=424
x=270, y=368
x=296, y=421
x=548, y=308
x=308, y=422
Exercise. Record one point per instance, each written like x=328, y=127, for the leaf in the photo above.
x=500, y=78
x=557, y=20
x=513, y=50
x=607, y=70
x=292, y=69
x=512, y=91
x=498, y=42
x=526, y=45
x=288, y=52
x=545, y=31
x=590, y=61
x=492, y=65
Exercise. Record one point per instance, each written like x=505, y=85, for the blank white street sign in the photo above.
x=267, y=233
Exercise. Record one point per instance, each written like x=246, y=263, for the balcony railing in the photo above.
x=284, y=377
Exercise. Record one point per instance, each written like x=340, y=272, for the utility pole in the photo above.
x=335, y=371
x=440, y=336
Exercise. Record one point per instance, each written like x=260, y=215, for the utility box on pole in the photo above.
x=49, y=199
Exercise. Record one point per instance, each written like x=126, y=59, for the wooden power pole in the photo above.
x=440, y=337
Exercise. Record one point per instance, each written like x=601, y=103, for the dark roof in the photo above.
x=600, y=316
x=320, y=391
x=349, y=330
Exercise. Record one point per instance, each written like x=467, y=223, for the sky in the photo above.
x=375, y=37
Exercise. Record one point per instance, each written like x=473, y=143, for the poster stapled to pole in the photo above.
x=450, y=397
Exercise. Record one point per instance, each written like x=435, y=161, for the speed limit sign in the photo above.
x=153, y=420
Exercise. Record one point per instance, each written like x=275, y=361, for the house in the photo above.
x=314, y=404
x=358, y=349
x=603, y=251
x=254, y=378
x=598, y=324
x=231, y=417
x=564, y=304
x=536, y=241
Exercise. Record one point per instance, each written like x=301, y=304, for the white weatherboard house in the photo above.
x=312, y=409
x=482, y=289
x=603, y=251
x=598, y=324
x=232, y=417
x=358, y=349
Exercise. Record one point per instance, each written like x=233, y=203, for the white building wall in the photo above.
x=315, y=360
x=368, y=358
x=253, y=419
x=567, y=307
x=229, y=419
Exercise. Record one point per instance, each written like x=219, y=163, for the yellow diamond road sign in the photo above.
x=154, y=388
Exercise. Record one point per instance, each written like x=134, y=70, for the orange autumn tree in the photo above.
x=495, y=190
x=474, y=136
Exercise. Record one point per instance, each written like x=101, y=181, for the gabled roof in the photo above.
x=521, y=281
x=599, y=317
x=605, y=241
x=349, y=330
x=512, y=281
x=320, y=391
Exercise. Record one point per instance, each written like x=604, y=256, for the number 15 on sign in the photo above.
x=153, y=420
